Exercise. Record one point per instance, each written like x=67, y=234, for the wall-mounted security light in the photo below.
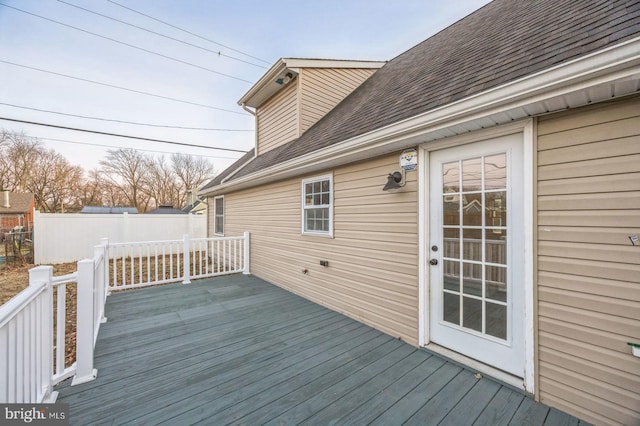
x=395, y=180
x=284, y=80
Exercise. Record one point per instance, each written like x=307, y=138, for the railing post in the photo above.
x=186, y=257
x=247, y=251
x=104, y=242
x=84, y=324
x=37, y=275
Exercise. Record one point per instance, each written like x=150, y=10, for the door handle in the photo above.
x=433, y=262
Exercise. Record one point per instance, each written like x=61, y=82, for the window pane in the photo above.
x=451, y=275
x=497, y=320
x=451, y=209
x=450, y=177
x=472, y=313
x=308, y=188
x=451, y=308
x=495, y=172
x=472, y=174
x=472, y=244
x=308, y=200
x=496, y=246
x=496, y=208
x=317, y=186
x=316, y=200
x=472, y=209
x=325, y=199
x=496, y=282
x=325, y=185
x=452, y=243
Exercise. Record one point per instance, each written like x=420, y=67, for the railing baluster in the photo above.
x=61, y=310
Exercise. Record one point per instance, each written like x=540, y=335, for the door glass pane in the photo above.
x=472, y=175
x=496, y=283
x=451, y=243
x=451, y=275
x=495, y=172
x=472, y=244
x=451, y=311
x=472, y=209
x=472, y=279
x=496, y=246
x=472, y=313
x=450, y=177
x=496, y=320
x=496, y=208
x=451, y=209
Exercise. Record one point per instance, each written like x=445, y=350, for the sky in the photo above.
x=229, y=45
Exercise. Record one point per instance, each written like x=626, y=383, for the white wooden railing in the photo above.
x=33, y=336
x=141, y=264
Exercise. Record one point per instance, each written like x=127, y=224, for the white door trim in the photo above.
x=526, y=128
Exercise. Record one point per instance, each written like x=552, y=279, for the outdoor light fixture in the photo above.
x=395, y=180
x=284, y=80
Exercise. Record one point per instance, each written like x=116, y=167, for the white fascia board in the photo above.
x=610, y=64
x=266, y=87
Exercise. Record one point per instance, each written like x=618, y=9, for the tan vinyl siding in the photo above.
x=373, y=257
x=588, y=275
x=321, y=89
x=277, y=119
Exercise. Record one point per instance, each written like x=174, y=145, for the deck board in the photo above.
x=238, y=350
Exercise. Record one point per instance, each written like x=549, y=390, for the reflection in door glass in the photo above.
x=475, y=289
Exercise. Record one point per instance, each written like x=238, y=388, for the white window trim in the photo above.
x=219, y=197
x=329, y=234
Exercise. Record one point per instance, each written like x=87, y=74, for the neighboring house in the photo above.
x=198, y=207
x=108, y=210
x=166, y=209
x=16, y=209
x=508, y=248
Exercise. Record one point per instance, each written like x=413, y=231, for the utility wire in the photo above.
x=187, y=31
x=75, y=129
x=119, y=147
x=122, y=121
x=217, y=52
x=171, y=58
x=124, y=88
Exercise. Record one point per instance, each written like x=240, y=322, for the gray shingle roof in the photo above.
x=501, y=42
x=229, y=170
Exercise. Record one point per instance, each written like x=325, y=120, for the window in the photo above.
x=218, y=215
x=317, y=206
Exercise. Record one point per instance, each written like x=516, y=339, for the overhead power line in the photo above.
x=120, y=147
x=187, y=31
x=217, y=52
x=142, y=49
x=75, y=129
x=122, y=121
x=124, y=88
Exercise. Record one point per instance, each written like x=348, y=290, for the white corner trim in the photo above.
x=609, y=64
x=529, y=314
x=423, y=251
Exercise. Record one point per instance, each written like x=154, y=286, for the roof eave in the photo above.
x=615, y=63
x=266, y=87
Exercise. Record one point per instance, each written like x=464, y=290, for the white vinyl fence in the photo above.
x=63, y=237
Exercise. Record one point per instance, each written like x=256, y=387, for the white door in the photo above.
x=476, y=251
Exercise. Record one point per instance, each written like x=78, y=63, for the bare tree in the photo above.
x=192, y=172
x=18, y=155
x=55, y=183
x=126, y=169
x=161, y=184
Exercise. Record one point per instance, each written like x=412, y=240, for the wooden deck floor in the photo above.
x=237, y=350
